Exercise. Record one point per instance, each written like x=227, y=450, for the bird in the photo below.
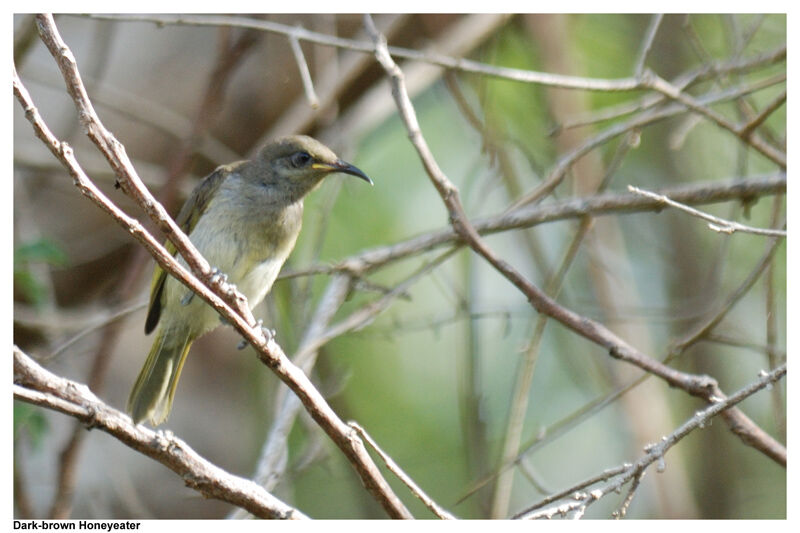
x=244, y=218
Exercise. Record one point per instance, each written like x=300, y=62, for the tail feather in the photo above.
x=154, y=390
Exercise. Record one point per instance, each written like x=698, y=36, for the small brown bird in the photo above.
x=244, y=218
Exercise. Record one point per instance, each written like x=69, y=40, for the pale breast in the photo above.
x=247, y=237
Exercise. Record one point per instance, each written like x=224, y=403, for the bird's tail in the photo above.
x=152, y=394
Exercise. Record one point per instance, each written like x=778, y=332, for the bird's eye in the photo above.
x=300, y=159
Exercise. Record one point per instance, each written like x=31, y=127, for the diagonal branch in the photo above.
x=405, y=478
x=274, y=452
x=748, y=128
x=703, y=387
x=743, y=190
x=654, y=453
x=305, y=75
x=715, y=223
x=559, y=171
x=35, y=385
x=652, y=81
x=238, y=315
x=647, y=43
x=127, y=177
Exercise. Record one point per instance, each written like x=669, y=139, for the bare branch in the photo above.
x=559, y=171
x=661, y=85
x=519, y=402
x=242, y=319
x=715, y=223
x=683, y=81
x=305, y=75
x=647, y=43
x=747, y=129
x=274, y=453
x=529, y=216
x=455, y=63
x=703, y=387
x=654, y=453
x=394, y=467
x=34, y=384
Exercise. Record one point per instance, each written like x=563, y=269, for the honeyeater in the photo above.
x=244, y=218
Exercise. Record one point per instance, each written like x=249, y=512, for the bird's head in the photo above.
x=299, y=163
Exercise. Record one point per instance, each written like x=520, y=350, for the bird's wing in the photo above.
x=187, y=219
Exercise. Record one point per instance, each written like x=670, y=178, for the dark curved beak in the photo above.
x=345, y=168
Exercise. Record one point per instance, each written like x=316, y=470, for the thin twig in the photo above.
x=647, y=43
x=654, y=452
x=405, y=478
x=559, y=171
x=715, y=223
x=98, y=320
x=652, y=81
x=578, y=487
x=683, y=81
x=701, y=386
x=333, y=80
x=522, y=385
x=709, y=323
x=268, y=351
x=455, y=63
x=305, y=75
x=770, y=108
x=532, y=215
x=626, y=503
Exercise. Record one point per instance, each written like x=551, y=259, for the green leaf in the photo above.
x=40, y=251
x=29, y=419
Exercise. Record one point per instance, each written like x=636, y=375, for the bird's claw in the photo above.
x=268, y=333
x=218, y=276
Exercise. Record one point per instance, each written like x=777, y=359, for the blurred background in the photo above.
x=434, y=372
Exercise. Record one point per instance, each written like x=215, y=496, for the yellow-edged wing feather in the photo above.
x=187, y=219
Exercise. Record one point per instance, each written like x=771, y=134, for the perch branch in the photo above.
x=35, y=385
x=269, y=352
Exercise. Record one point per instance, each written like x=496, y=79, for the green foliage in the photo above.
x=40, y=251
x=30, y=420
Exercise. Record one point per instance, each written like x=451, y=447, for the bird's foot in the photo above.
x=218, y=276
x=268, y=333
x=165, y=434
